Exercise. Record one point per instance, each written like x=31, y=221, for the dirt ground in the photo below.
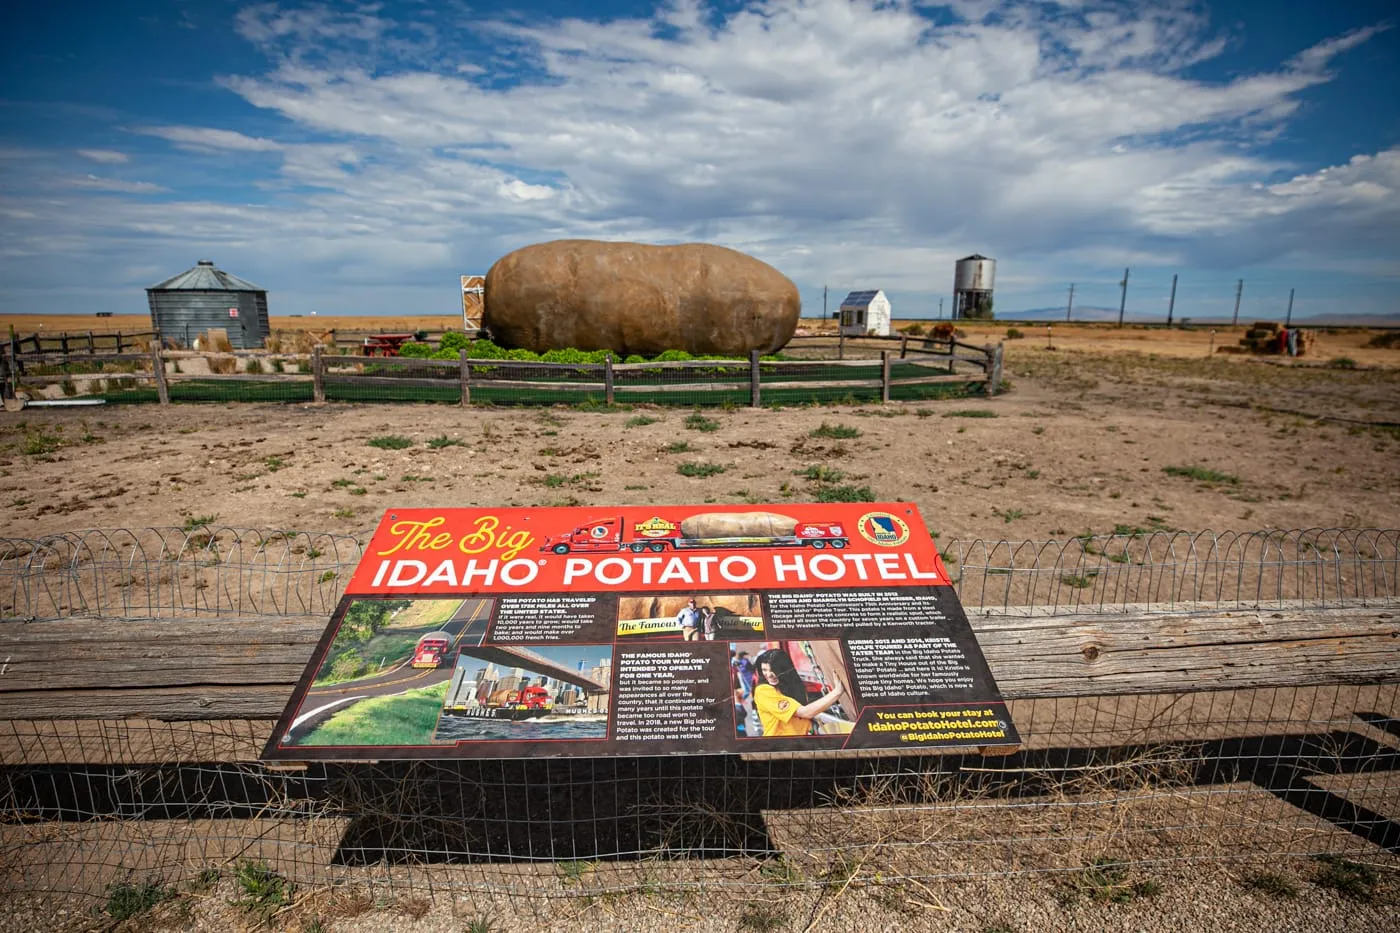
x=1240, y=897
x=1093, y=435
x=1083, y=441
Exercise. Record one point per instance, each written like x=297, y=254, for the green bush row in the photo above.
x=455, y=341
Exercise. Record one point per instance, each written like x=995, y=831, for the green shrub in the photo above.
x=454, y=340
x=1341, y=362
x=1013, y=333
x=390, y=442
x=254, y=366
x=421, y=351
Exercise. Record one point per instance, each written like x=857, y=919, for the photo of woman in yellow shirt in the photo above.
x=781, y=699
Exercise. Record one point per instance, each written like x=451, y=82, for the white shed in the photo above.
x=866, y=312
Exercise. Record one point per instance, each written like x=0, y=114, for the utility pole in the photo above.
x=1288, y=320
x=1123, y=301
x=825, y=315
x=1171, y=304
x=940, y=309
x=1239, y=290
x=1069, y=307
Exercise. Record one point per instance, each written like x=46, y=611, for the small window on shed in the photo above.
x=860, y=316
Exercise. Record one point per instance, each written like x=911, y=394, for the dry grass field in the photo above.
x=1096, y=418
x=1089, y=437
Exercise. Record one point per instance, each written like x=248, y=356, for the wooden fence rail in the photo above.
x=753, y=376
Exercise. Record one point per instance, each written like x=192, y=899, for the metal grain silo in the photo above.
x=187, y=305
x=973, y=280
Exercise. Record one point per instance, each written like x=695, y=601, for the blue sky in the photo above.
x=356, y=159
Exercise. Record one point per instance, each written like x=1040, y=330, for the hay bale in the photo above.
x=632, y=298
x=1265, y=325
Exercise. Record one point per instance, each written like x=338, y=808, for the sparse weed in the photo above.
x=763, y=916
x=1106, y=880
x=574, y=870
x=845, y=493
x=700, y=470
x=698, y=422
x=263, y=890
x=125, y=901
x=1268, y=883
x=195, y=521
x=680, y=447
x=1348, y=878
x=970, y=413
x=835, y=431
x=821, y=474
x=639, y=421
x=1078, y=581
x=39, y=444
x=442, y=440
x=390, y=442
x=1202, y=474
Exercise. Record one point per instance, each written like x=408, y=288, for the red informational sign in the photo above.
x=642, y=630
x=419, y=552
x=233, y=312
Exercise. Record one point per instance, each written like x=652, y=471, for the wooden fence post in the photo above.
x=466, y=377
x=318, y=375
x=903, y=345
x=608, y=378
x=840, y=342
x=994, y=369
x=119, y=341
x=753, y=379
x=884, y=375
x=91, y=349
x=5, y=377
x=158, y=368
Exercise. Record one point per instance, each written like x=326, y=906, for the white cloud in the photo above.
x=836, y=138
x=95, y=183
x=209, y=139
x=105, y=156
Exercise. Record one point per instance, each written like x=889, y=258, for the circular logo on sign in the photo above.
x=883, y=529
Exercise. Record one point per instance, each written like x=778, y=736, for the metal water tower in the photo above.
x=973, y=281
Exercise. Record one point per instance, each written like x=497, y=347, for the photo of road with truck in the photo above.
x=386, y=672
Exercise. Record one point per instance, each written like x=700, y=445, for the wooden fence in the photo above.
x=918, y=368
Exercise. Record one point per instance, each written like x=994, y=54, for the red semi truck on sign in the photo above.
x=715, y=530
x=431, y=650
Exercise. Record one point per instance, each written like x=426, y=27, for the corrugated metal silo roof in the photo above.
x=205, y=278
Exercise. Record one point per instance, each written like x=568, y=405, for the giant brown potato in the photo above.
x=632, y=298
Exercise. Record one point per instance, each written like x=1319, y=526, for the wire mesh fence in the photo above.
x=222, y=570
x=1133, y=775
